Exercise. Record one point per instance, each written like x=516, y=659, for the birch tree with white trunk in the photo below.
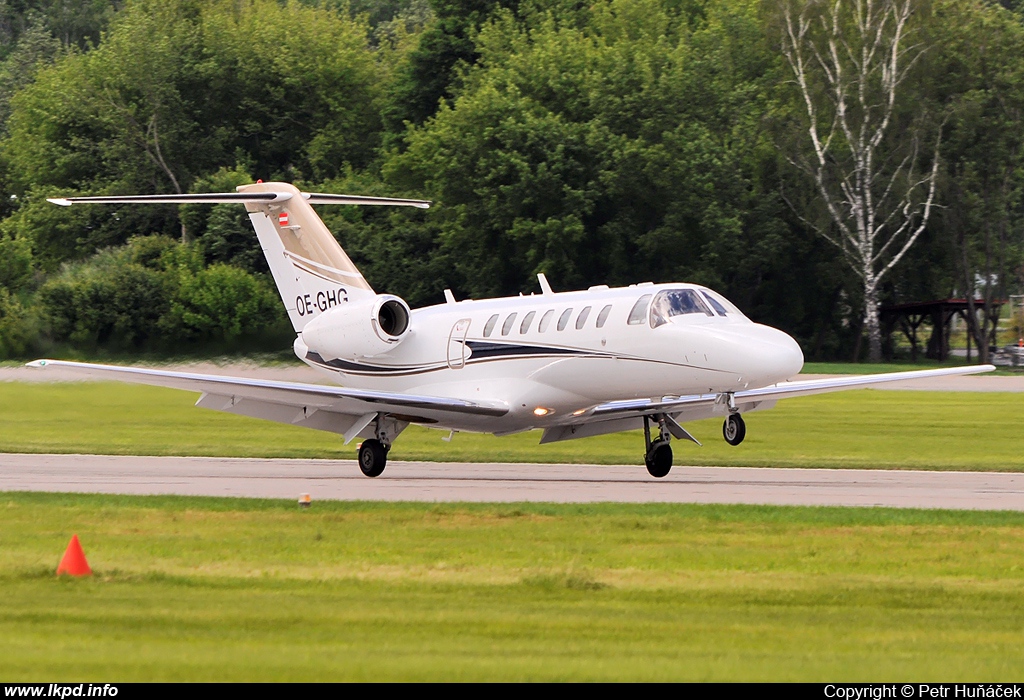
x=861, y=143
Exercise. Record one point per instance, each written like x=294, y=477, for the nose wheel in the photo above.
x=734, y=429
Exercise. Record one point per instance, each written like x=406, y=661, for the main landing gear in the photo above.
x=659, y=454
x=373, y=453
x=373, y=457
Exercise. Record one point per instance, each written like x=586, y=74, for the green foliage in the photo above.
x=398, y=251
x=15, y=262
x=17, y=328
x=35, y=47
x=615, y=147
x=110, y=301
x=980, y=76
x=427, y=76
x=223, y=230
x=179, y=89
x=157, y=294
x=299, y=87
x=613, y=142
x=224, y=304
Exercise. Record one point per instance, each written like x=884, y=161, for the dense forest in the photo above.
x=811, y=160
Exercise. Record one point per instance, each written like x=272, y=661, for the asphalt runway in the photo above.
x=561, y=483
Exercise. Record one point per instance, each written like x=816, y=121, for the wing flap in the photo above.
x=347, y=425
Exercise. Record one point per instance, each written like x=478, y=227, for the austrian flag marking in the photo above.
x=282, y=218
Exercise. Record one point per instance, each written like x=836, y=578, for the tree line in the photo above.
x=811, y=160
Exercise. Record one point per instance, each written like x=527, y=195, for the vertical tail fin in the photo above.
x=312, y=271
x=310, y=268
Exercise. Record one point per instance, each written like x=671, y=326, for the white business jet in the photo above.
x=573, y=364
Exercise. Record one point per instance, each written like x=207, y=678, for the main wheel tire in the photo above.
x=734, y=429
x=659, y=460
x=373, y=457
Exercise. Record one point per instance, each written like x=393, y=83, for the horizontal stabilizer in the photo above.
x=240, y=198
x=314, y=198
x=211, y=198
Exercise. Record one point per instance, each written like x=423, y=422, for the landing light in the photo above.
x=579, y=412
x=539, y=411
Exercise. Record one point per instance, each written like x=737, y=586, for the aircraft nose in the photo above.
x=778, y=354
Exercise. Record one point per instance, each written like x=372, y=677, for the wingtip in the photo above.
x=37, y=363
x=59, y=201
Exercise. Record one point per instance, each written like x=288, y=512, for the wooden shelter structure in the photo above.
x=909, y=317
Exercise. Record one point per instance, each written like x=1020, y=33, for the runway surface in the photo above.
x=437, y=482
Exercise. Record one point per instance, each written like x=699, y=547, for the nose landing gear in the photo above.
x=734, y=429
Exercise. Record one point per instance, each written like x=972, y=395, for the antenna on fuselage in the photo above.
x=545, y=288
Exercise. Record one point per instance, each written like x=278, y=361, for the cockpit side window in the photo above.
x=677, y=302
x=715, y=304
x=727, y=307
x=639, y=313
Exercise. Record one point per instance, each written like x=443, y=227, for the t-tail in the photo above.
x=312, y=272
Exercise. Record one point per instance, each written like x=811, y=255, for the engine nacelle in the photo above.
x=359, y=329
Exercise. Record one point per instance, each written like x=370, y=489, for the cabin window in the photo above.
x=603, y=316
x=489, y=327
x=639, y=313
x=582, y=319
x=563, y=320
x=527, y=321
x=545, y=320
x=507, y=325
x=677, y=302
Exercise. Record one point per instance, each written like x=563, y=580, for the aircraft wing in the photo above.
x=615, y=416
x=323, y=407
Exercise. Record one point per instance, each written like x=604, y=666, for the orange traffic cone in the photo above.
x=73, y=562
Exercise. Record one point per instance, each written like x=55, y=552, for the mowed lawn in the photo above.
x=864, y=428
x=250, y=590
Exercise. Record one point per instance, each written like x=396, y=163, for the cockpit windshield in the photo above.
x=677, y=302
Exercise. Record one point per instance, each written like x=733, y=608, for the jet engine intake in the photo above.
x=359, y=329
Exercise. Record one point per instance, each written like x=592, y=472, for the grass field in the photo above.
x=221, y=589
x=866, y=428
x=253, y=590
